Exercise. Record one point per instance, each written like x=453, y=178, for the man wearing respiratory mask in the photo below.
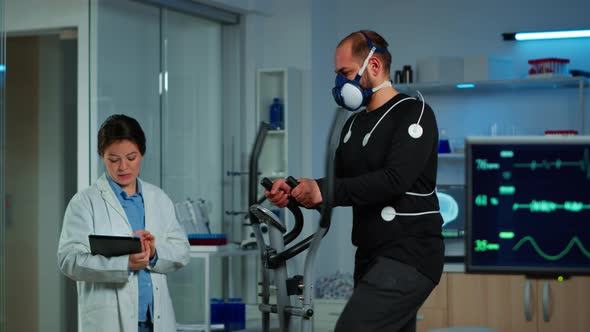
x=386, y=166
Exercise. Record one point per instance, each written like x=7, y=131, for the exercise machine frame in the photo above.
x=274, y=255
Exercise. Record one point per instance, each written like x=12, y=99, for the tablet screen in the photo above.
x=108, y=245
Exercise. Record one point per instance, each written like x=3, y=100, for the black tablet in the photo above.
x=108, y=245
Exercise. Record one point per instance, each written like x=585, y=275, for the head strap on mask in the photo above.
x=349, y=94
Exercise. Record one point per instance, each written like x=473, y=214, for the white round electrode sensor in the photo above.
x=388, y=213
x=415, y=130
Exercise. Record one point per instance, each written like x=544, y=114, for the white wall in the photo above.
x=279, y=38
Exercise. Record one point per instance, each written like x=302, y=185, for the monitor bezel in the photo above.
x=511, y=269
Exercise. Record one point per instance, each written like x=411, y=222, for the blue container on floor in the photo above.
x=230, y=313
x=217, y=311
x=237, y=315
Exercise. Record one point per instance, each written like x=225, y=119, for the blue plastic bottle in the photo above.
x=276, y=114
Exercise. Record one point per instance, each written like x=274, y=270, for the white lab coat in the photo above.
x=107, y=292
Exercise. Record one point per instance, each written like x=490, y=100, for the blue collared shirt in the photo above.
x=135, y=211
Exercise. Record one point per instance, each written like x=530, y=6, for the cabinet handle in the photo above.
x=160, y=83
x=527, y=301
x=546, y=303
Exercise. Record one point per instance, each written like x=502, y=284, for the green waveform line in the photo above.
x=574, y=240
x=548, y=206
x=583, y=164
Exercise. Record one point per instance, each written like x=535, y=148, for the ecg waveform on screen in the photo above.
x=574, y=241
x=583, y=164
x=549, y=206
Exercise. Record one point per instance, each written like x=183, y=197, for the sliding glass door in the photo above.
x=127, y=76
x=192, y=132
x=164, y=68
x=2, y=174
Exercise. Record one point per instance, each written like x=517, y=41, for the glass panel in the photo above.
x=180, y=111
x=192, y=115
x=192, y=141
x=127, y=75
x=2, y=175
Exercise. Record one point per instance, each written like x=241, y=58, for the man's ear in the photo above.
x=374, y=66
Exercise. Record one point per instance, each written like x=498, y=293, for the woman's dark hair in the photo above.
x=119, y=127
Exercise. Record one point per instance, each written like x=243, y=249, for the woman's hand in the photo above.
x=147, y=240
x=140, y=260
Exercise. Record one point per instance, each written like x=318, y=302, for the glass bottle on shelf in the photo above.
x=444, y=145
x=276, y=114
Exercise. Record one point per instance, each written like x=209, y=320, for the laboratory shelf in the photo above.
x=559, y=82
x=451, y=156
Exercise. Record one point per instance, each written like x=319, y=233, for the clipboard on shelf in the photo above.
x=108, y=245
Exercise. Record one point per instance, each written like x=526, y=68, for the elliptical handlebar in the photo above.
x=325, y=208
x=253, y=170
x=294, y=207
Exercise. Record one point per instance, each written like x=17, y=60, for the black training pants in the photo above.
x=386, y=298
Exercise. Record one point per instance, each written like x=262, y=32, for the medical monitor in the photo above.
x=451, y=199
x=528, y=205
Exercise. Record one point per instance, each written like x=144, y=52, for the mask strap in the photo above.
x=366, y=62
x=381, y=86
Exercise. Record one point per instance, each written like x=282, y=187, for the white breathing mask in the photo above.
x=349, y=94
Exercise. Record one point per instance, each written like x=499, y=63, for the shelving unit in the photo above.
x=501, y=86
x=281, y=153
x=497, y=85
x=471, y=97
x=451, y=156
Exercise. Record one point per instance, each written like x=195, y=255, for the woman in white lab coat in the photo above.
x=122, y=293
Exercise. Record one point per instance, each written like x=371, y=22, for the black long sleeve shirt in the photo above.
x=380, y=174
